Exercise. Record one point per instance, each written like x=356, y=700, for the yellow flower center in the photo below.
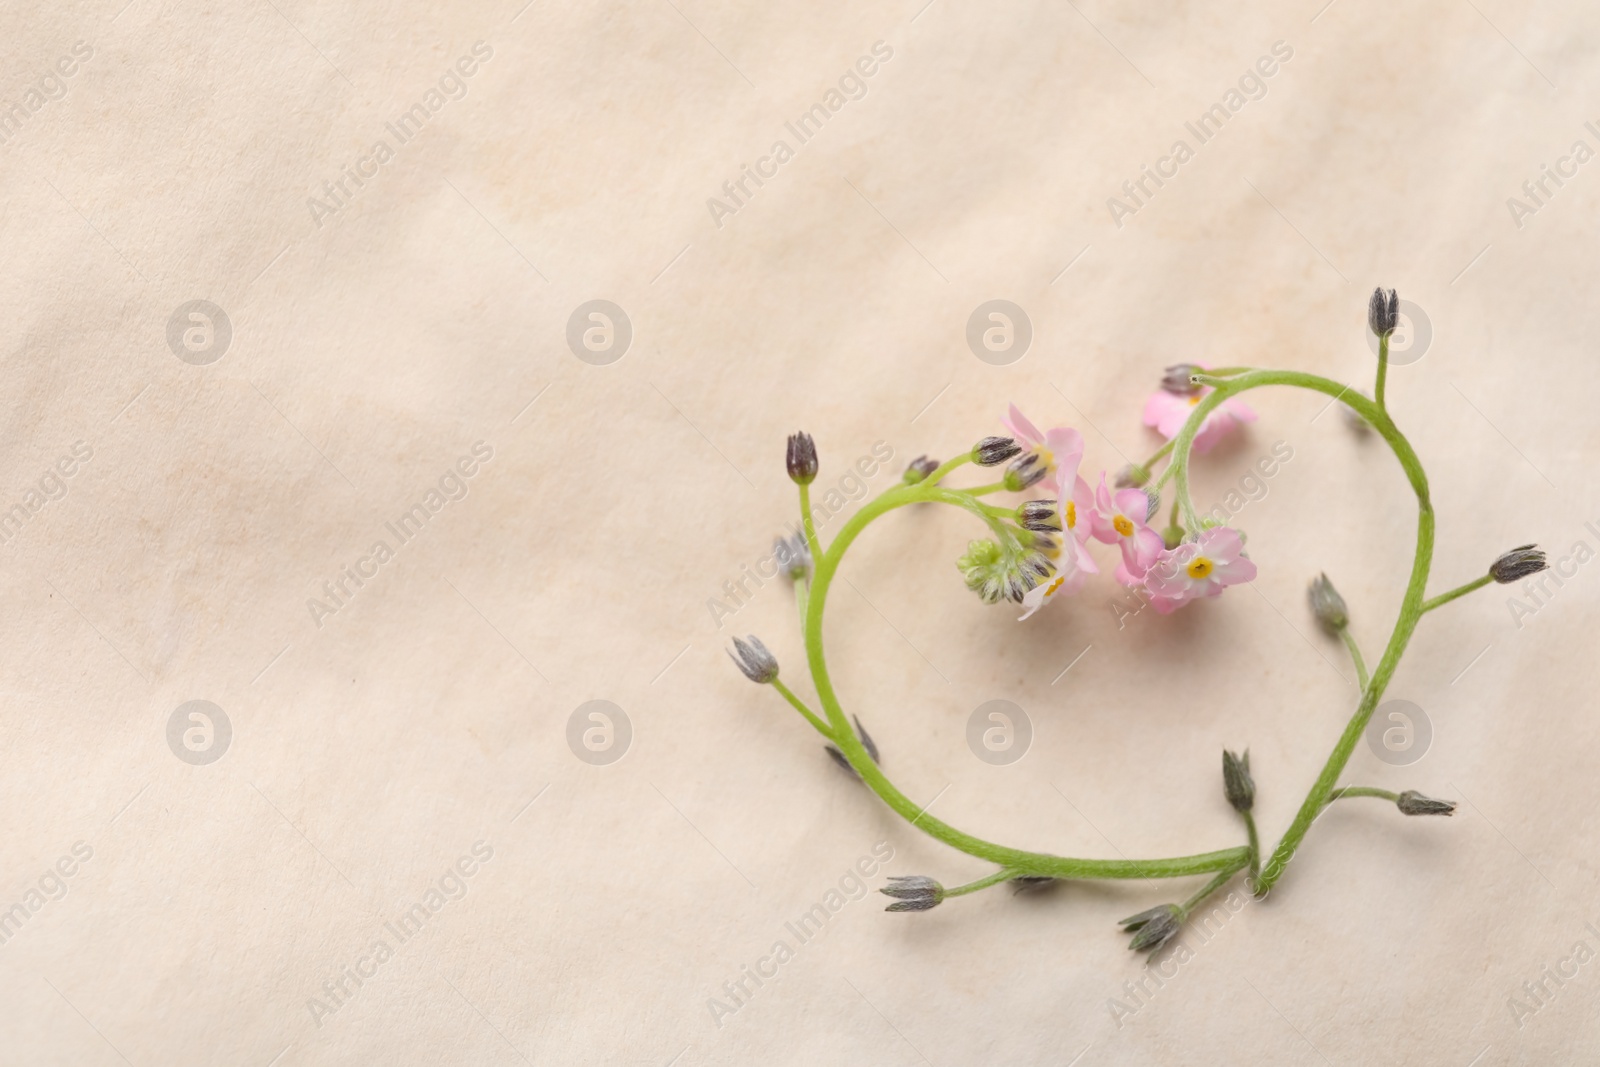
x=1200, y=567
x=1047, y=458
x=1055, y=583
x=1193, y=400
x=1124, y=525
x=1072, y=514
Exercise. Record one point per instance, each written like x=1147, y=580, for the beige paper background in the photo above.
x=371, y=351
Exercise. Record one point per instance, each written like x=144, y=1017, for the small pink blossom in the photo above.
x=1074, y=505
x=1167, y=412
x=1121, y=519
x=1058, y=447
x=1203, y=567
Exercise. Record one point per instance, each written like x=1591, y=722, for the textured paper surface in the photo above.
x=378, y=333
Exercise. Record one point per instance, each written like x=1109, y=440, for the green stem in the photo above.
x=1383, y=371
x=1255, y=845
x=1160, y=454
x=1410, y=605
x=1206, y=890
x=1355, y=655
x=1459, y=591
x=944, y=468
x=1363, y=791
x=809, y=523
x=1040, y=863
x=985, y=490
x=1002, y=875
x=799, y=705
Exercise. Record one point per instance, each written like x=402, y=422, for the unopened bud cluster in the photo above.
x=998, y=573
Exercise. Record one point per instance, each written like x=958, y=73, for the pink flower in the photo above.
x=1055, y=448
x=1199, y=568
x=1121, y=520
x=1071, y=557
x=1167, y=411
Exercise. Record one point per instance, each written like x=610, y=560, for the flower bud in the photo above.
x=1412, y=802
x=1132, y=476
x=1026, y=470
x=1327, y=605
x=793, y=556
x=866, y=743
x=1024, y=882
x=1154, y=506
x=919, y=469
x=1517, y=564
x=754, y=660
x=1176, y=379
x=802, y=458
x=992, y=451
x=1237, y=784
x=1154, y=927
x=1383, y=312
x=1038, y=515
x=914, y=892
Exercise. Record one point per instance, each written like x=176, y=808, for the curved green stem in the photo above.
x=1224, y=862
x=1459, y=591
x=1018, y=860
x=1355, y=655
x=1206, y=890
x=944, y=468
x=800, y=706
x=1410, y=605
x=1002, y=875
x=1363, y=791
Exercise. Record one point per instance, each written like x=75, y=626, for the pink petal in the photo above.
x=1018, y=426
x=1141, y=550
x=1134, y=504
x=1239, y=410
x=1221, y=543
x=1235, y=571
